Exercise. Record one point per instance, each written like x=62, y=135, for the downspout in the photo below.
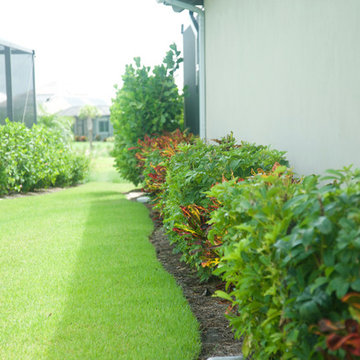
x=202, y=99
x=195, y=28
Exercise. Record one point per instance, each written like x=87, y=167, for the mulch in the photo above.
x=216, y=335
x=31, y=193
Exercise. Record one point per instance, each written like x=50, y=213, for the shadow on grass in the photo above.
x=90, y=325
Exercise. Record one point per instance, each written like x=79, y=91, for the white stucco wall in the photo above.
x=286, y=73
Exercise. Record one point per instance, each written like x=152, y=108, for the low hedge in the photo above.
x=153, y=155
x=290, y=259
x=36, y=158
x=288, y=249
x=191, y=172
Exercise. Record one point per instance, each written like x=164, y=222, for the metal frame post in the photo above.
x=9, y=97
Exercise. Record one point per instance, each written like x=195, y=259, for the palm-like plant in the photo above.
x=89, y=112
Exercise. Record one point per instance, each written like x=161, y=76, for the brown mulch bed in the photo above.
x=216, y=335
x=31, y=193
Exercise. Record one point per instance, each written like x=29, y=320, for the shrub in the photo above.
x=36, y=158
x=249, y=222
x=194, y=170
x=153, y=154
x=148, y=103
x=321, y=256
x=290, y=258
x=3, y=178
x=62, y=125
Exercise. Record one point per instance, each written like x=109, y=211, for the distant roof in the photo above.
x=75, y=110
x=70, y=105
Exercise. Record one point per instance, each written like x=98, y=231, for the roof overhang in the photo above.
x=190, y=4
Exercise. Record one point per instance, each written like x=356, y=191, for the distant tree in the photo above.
x=61, y=124
x=89, y=112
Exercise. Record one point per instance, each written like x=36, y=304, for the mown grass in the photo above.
x=80, y=280
x=101, y=164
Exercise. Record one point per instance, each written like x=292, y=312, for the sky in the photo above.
x=82, y=46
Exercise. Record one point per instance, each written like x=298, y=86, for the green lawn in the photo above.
x=80, y=280
x=101, y=163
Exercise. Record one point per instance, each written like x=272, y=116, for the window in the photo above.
x=103, y=126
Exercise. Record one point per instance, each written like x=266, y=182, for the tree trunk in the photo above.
x=90, y=131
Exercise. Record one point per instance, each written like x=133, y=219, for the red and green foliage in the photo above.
x=342, y=335
x=201, y=252
x=287, y=249
x=153, y=154
x=191, y=172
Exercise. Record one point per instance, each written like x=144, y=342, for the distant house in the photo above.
x=102, y=127
x=17, y=84
x=70, y=105
x=284, y=73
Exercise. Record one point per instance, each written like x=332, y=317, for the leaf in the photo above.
x=223, y=295
x=329, y=271
x=246, y=346
x=329, y=258
x=318, y=282
x=307, y=236
x=355, y=285
x=340, y=286
x=323, y=224
x=308, y=310
x=293, y=335
x=352, y=299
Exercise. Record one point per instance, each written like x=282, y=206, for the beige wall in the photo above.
x=286, y=73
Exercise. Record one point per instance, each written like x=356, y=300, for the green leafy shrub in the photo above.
x=194, y=170
x=36, y=158
x=62, y=125
x=148, y=103
x=250, y=220
x=3, y=179
x=322, y=256
x=290, y=258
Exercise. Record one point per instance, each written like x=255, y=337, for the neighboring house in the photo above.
x=17, y=84
x=285, y=73
x=102, y=127
x=70, y=105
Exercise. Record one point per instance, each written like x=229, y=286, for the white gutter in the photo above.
x=202, y=99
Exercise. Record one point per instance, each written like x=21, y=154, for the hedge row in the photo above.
x=36, y=158
x=290, y=259
x=288, y=249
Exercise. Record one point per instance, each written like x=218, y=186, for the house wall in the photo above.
x=286, y=73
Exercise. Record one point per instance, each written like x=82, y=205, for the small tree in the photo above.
x=61, y=124
x=89, y=112
x=148, y=103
